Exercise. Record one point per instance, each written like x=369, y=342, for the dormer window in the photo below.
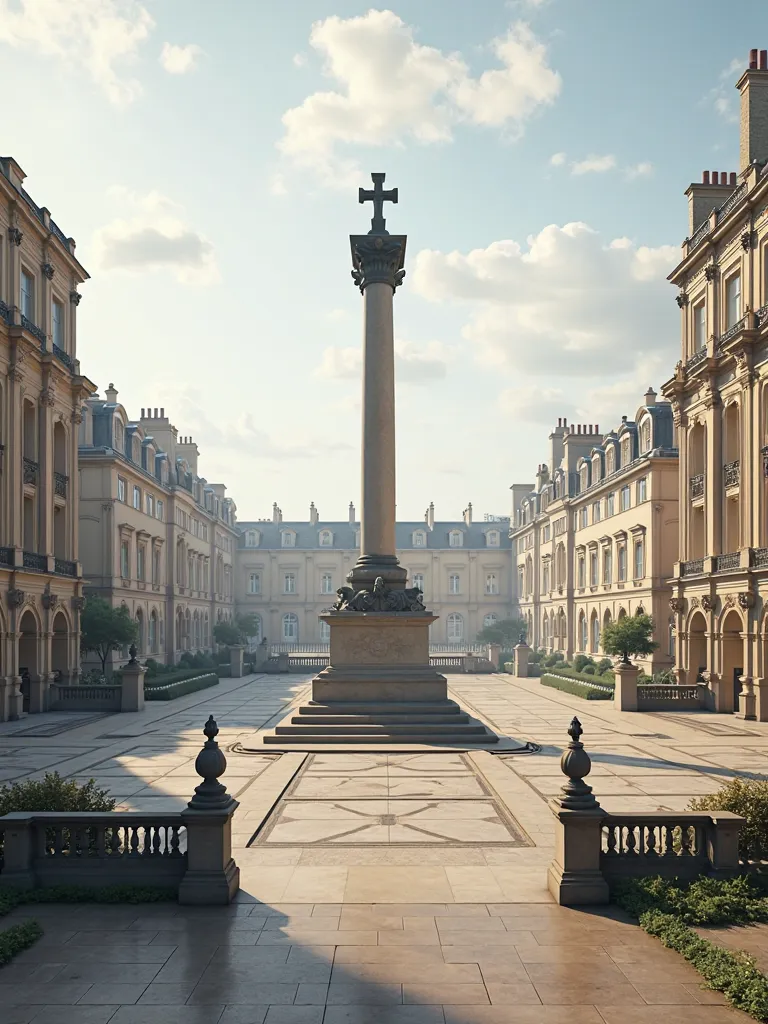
x=645, y=436
x=326, y=539
x=493, y=539
x=419, y=539
x=136, y=451
x=252, y=538
x=584, y=478
x=626, y=451
x=456, y=539
x=288, y=538
x=119, y=439
x=610, y=461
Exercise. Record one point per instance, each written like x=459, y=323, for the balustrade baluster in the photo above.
x=174, y=841
x=685, y=841
x=156, y=840
x=650, y=849
x=134, y=832
x=631, y=843
x=58, y=841
x=101, y=840
x=114, y=841
x=147, y=851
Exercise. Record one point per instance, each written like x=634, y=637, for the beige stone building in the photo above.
x=720, y=398
x=289, y=572
x=155, y=536
x=41, y=392
x=596, y=538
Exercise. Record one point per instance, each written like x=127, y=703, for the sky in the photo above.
x=206, y=158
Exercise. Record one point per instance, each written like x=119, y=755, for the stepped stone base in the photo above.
x=380, y=688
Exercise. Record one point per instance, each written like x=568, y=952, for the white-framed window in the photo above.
x=626, y=451
x=490, y=620
x=149, y=504
x=125, y=560
x=546, y=534
x=622, y=563
x=454, y=584
x=290, y=627
x=545, y=578
x=418, y=581
x=595, y=634
x=732, y=300
x=251, y=538
x=596, y=516
x=455, y=627
x=140, y=562
x=593, y=569
x=582, y=632
x=455, y=539
x=607, y=566
x=159, y=509
x=625, y=499
x=583, y=517
x=645, y=436
x=325, y=631
x=326, y=583
x=120, y=489
x=491, y=583
x=27, y=295
x=254, y=583
x=326, y=539
x=57, y=323
x=156, y=565
x=582, y=572
x=493, y=538
x=289, y=583
x=610, y=504
x=137, y=497
x=642, y=489
x=288, y=539
x=419, y=539
x=610, y=460
x=699, y=326
x=639, y=559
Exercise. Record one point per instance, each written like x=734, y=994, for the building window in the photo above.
x=254, y=583
x=584, y=517
x=57, y=324
x=419, y=539
x=626, y=451
x=546, y=533
x=733, y=300
x=645, y=436
x=149, y=504
x=610, y=460
x=455, y=539
x=288, y=539
x=582, y=632
x=120, y=489
x=326, y=539
x=491, y=583
x=140, y=560
x=607, y=566
x=159, y=509
x=251, y=538
x=326, y=583
x=453, y=584
x=642, y=489
x=596, y=512
x=455, y=627
x=156, y=566
x=289, y=583
x=639, y=560
x=625, y=501
x=493, y=538
x=325, y=631
x=418, y=581
x=28, y=295
x=622, y=563
x=610, y=504
x=137, y=497
x=545, y=578
x=699, y=327
x=125, y=560
x=582, y=572
x=290, y=627
x=595, y=635
x=490, y=620
x=593, y=577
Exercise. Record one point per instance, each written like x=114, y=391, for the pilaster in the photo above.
x=714, y=477
x=45, y=476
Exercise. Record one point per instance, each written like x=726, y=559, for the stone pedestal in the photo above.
x=574, y=877
x=747, y=700
x=11, y=700
x=39, y=689
x=236, y=661
x=721, y=693
x=212, y=877
x=522, y=651
x=625, y=694
x=132, y=690
x=494, y=655
x=760, y=685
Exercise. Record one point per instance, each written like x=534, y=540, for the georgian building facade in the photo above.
x=287, y=573
x=596, y=539
x=155, y=536
x=719, y=394
x=41, y=393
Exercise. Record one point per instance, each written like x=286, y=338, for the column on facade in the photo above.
x=684, y=474
x=72, y=505
x=714, y=478
x=46, y=277
x=45, y=471
x=14, y=267
x=13, y=469
x=750, y=468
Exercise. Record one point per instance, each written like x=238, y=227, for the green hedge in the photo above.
x=165, y=690
x=578, y=689
x=585, y=677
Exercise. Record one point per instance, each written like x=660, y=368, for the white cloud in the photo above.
x=557, y=159
x=594, y=164
x=277, y=186
x=566, y=304
x=178, y=60
x=388, y=89
x=299, y=60
x=154, y=236
x=95, y=36
x=723, y=96
x=642, y=170
x=414, y=364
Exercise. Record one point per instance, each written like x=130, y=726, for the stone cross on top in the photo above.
x=378, y=195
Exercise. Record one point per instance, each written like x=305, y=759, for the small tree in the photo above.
x=506, y=632
x=230, y=634
x=630, y=635
x=105, y=629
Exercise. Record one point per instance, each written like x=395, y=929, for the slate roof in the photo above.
x=307, y=535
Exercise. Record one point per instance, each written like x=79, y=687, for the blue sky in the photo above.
x=206, y=159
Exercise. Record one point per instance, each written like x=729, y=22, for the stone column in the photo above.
x=132, y=696
x=236, y=661
x=625, y=694
x=522, y=652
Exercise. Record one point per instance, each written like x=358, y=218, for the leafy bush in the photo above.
x=588, y=670
x=17, y=938
x=578, y=689
x=169, y=688
x=581, y=660
x=534, y=671
x=53, y=793
x=749, y=798
x=12, y=898
x=665, y=678
x=508, y=666
x=585, y=677
x=604, y=665
x=154, y=667
x=535, y=656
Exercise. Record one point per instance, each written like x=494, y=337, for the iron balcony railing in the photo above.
x=62, y=356
x=696, y=486
x=31, y=471
x=696, y=359
x=741, y=324
x=64, y=567
x=60, y=482
x=34, y=561
x=33, y=329
x=761, y=316
x=731, y=474
x=698, y=236
x=6, y=556
x=731, y=560
x=693, y=568
x=759, y=559
x=733, y=200
x=5, y=313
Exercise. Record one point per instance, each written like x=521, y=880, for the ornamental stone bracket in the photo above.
x=708, y=603
x=16, y=598
x=677, y=604
x=380, y=599
x=746, y=599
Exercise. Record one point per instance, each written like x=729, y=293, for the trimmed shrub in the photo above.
x=52, y=793
x=581, y=660
x=749, y=798
x=585, y=677
x=535, y=656
x=604, y=665
x=588, y=670
x=578, y=689
x=534, y=671
x=167, y=689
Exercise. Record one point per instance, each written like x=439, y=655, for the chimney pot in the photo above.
x=723, y=177
x=705, y=177
x=764, y=60
x=715, y=178
x=732, y=179
x=597, y=428
x=162, y=410
x=753, y=59
x=142, y=414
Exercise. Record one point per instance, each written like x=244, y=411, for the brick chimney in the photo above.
x=313, y=514
x=753, y=133
x=650, y=397
x=276, y=515
x=706, y=195
x=111, y=394
x=468, y=514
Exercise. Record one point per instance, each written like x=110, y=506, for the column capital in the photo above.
x=377, y=259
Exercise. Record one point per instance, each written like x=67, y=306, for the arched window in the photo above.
x=140, y=638
x=153, y=633
x=419, y=538
x=493, y=539
x=645, y=436
x=610, y=460
x=290, y=627
x=583, y=639
x=252, y=538
x=326, y=539
x=119, y=439
x=455, y=539
x=325, y=631
x=455, y=627
x=671, y=638
x=584, y=478
x=187, y=629
x=595, y=633
x=207, y=630
x=545, y=631
x=490, y=620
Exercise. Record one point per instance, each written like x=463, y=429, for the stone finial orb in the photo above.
x=210, y=764
x=575, y=763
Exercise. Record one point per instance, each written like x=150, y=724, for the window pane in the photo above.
x=733, y=299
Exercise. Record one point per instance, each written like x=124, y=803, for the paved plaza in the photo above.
x=390, y=888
